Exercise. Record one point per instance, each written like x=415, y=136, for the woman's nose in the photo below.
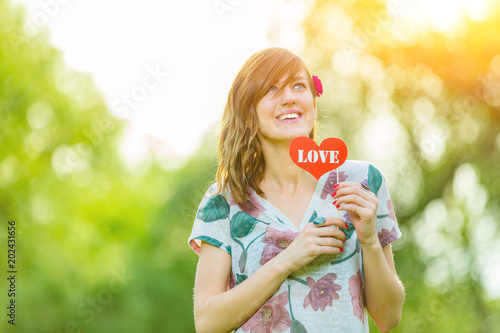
x=287, y=96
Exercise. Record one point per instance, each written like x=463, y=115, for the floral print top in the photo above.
x=324, y=296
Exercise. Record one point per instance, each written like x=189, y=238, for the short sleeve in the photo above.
x=387, y=225
x=211, y=224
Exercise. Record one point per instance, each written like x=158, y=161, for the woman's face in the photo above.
x=288, y=115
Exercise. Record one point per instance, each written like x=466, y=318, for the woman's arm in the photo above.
x=218, y=310
x=384, y=293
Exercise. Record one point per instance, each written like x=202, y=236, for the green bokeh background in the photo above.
x=102, y=248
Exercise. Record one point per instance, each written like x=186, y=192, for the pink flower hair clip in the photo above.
x=318, y=85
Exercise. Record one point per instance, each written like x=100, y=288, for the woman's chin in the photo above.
x=295, y=134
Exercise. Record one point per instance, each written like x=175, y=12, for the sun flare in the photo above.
x=447, y=15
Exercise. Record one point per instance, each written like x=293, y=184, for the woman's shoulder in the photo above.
x=213, y=190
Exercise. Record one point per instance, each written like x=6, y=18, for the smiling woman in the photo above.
x=263, y=266
x=291, y=103
x=266, y=78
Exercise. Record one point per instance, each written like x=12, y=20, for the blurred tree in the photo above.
x=100, y=247
x=423, y=106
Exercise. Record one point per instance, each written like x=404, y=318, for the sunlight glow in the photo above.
x=164, y=67
x=445, y=16
x=476, y=10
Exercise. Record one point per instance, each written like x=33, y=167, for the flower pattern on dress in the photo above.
x=332, y=180
x=356, y=292
x=216, y=208
x=347, y=217
x=337, y=298
x=385, y=236
x=322, y=293
x=231, y=281
x=374, y=179
x=251, y=206
x=276, y=241
x=271, y=317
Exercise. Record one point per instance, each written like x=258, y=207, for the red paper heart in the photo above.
x=330, y=154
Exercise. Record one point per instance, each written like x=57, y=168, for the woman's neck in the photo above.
x=280, y=171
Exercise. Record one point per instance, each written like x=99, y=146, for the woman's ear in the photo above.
x=314, y=101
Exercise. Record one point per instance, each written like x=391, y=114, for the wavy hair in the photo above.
x=241, y=162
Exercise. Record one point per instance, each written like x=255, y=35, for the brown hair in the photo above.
x=241, y=163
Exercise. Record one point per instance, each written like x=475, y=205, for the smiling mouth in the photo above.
x=289, y=116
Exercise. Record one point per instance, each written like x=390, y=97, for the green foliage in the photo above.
x=99, y=247
x=427, y=115
x=103, y=249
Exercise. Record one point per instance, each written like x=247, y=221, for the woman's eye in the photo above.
x=273, y=89
x=300, y=85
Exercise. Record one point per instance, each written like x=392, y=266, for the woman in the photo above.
x=262, y=266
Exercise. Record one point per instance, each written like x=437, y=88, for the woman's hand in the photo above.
x=313, y=240
x=362, y=206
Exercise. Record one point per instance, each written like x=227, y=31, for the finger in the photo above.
x=351, y=207
x=331, y=232
x=350, y=199
x=353, y=189
x=329, y=250
x=335, y=221
x=344, y=184
x=363, y=212
x=330, y=241
x=324, y=222
x=319, y=221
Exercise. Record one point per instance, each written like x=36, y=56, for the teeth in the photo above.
x=289, y=116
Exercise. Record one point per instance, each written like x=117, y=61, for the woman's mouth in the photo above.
x=287, y=116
